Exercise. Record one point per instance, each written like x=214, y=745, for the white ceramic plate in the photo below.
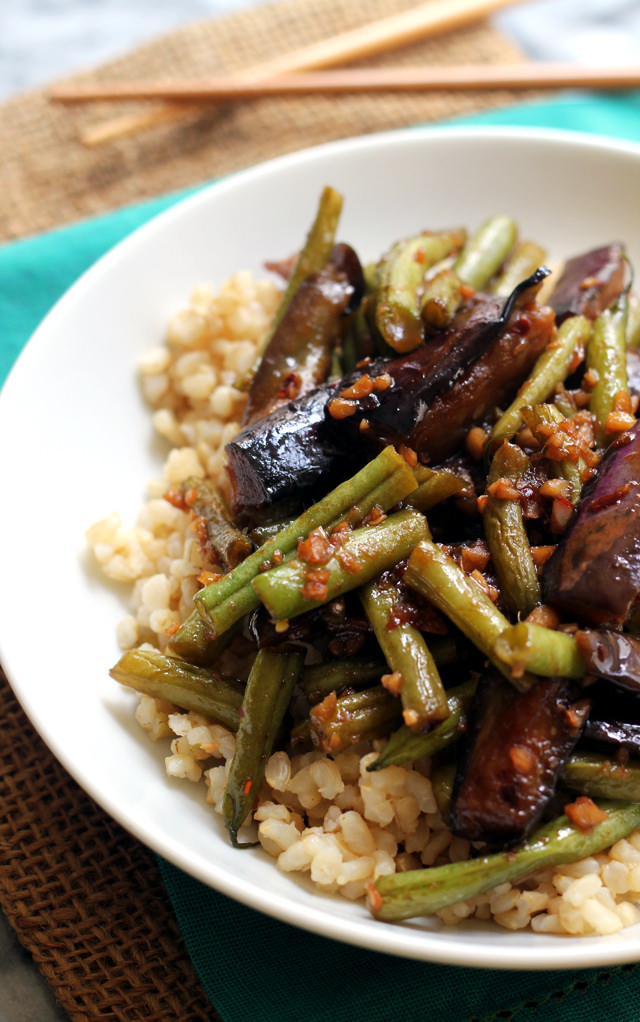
x=77, y=443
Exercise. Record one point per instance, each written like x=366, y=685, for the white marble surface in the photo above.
x=41, y=40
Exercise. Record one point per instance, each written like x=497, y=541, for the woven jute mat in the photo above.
x=85, y=898
x=48, y=177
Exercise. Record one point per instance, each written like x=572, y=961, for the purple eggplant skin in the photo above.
x=613, y=726
x=441, y=388
x=614, y=656
x=593, y=575
x=298, y=356
x=479, y=361
x=589, y=283
x=512, y=754
x=283, y=455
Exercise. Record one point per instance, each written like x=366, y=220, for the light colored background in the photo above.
x=41, y=40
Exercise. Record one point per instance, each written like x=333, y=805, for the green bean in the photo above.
x=594, y=775
x=539, y=650
x=606, y=357
x=405, y=746
x=523, y=260
x=442, y=296
x=399, y=276
x=422, y=892
x=434, y=486
x=313, y=256
x=266, y=700
x=442, y=781
x=538, y=419
x=507, y=536
x=437, y=576
x=193, y=641
x=550, y=369
x=297, y=586
x=485, y=251
x=383, y=482
x=185, y=685
x=422, y=693
x=220, y=542
x=318, y=680
x=338, y=722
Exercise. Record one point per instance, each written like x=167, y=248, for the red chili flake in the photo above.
x=375, y=898
x=361, y=388
x=176, y=499
x=315, y=587
x=277, y=557
x=316, y=548
x=172, y=629
x=382, y=382
x=420, y=255
x=247, y=786
x=392, y=682
x=349, y=562
x=291, y=386
x=523, y=759
x=503, y=489
x=375, y=516
x=482, y=502
x=341, y=409
x=584, y=813
x=409, y=456
x=607, y=499
x=206, y=578
x=466, y=291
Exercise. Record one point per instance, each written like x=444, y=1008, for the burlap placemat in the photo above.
x=47, y=177
x=84, y=897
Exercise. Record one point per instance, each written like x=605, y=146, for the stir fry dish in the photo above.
x=395, y=621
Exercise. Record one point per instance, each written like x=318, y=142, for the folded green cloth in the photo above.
x=250, y=965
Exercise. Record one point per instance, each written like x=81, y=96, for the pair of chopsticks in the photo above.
x=298, y=72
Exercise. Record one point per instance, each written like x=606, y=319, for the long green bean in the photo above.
x=405, y=746
x=297, y=586
x=486, y=250
x=539, y=418
x=593, y=774
x=187, y=686
x=506, y=534
x=340, y=721
x=437, y=576
x=523, y=260
x=399, y=275
x=383, y=482
x=266, y=700
x=422, y=693
x=551, y=368
x=530, y=647
x=426, y=891
x=606, y=358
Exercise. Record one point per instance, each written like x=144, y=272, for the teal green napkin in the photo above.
x=250, y=965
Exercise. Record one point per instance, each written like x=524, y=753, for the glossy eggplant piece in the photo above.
x=514, y=749
x=298, y=356
x=593, y=576
x=614, y=720
x=589, y=283
x=425, y=400
x=444, y=386
x=614, y=656
x=282, y=455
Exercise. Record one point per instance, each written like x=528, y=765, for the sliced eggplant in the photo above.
x=513, y=752
x=298, y=356
x=614, y=656
x=589, y=283
x=425, y=400
x=593, y=576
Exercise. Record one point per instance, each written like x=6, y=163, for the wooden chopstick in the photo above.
x=428, y=19
x=384, y=79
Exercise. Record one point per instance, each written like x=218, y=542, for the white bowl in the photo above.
x=77, y=444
